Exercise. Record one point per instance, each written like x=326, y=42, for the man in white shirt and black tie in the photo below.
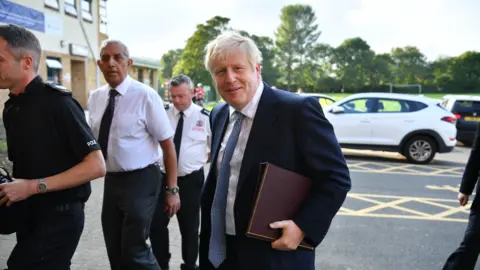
x=192, y=144
x=130, y=122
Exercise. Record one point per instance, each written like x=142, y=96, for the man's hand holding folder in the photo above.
x=280, y=196
x=291, y=238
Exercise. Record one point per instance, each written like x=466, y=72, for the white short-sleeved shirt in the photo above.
x=196, y=134
x=139, y=124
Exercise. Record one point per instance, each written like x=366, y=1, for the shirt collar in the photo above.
x=251, y=108
x=123, y=87
x=186, y=112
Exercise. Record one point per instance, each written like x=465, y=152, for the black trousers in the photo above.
x=128, y=205
x=48, y=237
x=465, y=257
x=188, y=221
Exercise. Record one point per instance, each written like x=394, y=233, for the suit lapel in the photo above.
x=220, y=124
x=263, y=121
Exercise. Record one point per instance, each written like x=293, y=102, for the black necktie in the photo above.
x=106, y=123
x=177, y=139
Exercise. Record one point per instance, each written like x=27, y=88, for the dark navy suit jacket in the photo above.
x=471, y=173
x=292, y=132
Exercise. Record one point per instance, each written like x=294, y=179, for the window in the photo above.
x=363, y=105
x=325, y=101
x=54, y=70
x=87, y=10
x=392, y=106
x=140, y=74
x=52, y=4
x=71, y=7
x=103, y=16
x=466, y=107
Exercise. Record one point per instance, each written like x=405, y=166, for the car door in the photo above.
x=392, y=121
x=353, y=124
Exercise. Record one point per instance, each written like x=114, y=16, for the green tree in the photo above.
x=191, y=61
x=266, y=45
x=380, y=72
x=410, y=65
x=295, y=38
x=354, y=63
x=168, y=62
x=464, y=71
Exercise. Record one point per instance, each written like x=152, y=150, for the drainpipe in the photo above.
x=80, y=20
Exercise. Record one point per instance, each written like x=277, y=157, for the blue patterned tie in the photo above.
x=217, y=252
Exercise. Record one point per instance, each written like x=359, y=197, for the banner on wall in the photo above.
x=20, y=15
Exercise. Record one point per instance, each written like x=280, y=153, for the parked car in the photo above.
x=467, y=111
x=415, y=126
x=324, y=100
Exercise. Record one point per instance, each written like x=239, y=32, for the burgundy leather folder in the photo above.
x=280, y=195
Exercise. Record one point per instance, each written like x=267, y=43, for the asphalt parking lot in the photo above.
x=397, y=216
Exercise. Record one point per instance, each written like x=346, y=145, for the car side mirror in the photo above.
x=338, y=109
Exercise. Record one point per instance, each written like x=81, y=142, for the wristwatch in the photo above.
x=42, y=186
x=172, y=191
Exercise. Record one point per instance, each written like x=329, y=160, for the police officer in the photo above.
x=466, y=255
x=192, y=140
x=54, y=155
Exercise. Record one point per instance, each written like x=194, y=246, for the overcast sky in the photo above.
x=438, y=27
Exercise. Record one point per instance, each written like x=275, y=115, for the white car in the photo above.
x=415, y=126
x=323, y=99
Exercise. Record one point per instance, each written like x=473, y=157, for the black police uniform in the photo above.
x=466, y=255
x=47, y=134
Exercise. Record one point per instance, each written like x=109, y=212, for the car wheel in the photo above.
x=420, y=150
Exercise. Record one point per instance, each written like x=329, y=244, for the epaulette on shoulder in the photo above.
x=59, y=89
x=167, y=106
x=205, y=112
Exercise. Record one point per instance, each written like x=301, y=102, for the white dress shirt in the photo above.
x=235, y=164
x=196, y=135
x=139, y=123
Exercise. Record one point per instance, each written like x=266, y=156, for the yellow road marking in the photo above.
x=363, y=168
x=360, y=163
x=408, y=169
x=392, y=168
x=397, y=200
x=399, y=197
x=451, y=211
x=450, y=170
x=444, y=187
x=382, y=205
x=464, y=210
x=404, y=173
x=404, y=217
x=347, y=210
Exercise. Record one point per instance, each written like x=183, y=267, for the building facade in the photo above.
x=70, y=33
x=146, y=70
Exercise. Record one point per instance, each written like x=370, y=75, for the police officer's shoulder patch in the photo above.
x=59, y=89
x=205, y=112
x=167, y=106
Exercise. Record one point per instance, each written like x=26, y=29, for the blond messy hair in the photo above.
x=218, y=48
